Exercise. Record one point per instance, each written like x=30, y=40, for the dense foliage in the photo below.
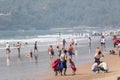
x=45, y=14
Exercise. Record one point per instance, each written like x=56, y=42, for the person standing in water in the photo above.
x=51, y=53
x=102, y=42
x=64, y=43
x=59, y=51
x=36, y=52
x=8, y=53
x=18, y=46
x=89, y=44
x=70, y=51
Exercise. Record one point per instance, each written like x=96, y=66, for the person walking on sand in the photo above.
x=63, y=59
x=18, y=46
x=36, y=52
x=8, y=53
x=51, y=53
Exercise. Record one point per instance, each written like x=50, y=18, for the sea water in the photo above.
x=15, y=71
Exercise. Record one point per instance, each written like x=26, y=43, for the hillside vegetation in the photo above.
x=45, y=14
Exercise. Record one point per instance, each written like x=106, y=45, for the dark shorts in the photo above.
x=8, y=50
x=70, y=53
x=19, y=50
x=35, y=48
x=102, y=43
x=65, y=64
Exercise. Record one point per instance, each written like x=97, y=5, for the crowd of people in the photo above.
x=64, y=54
x=99, y=65
x=17, y=46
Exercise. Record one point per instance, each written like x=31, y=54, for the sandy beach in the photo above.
x=84, y=70
x=28, y=70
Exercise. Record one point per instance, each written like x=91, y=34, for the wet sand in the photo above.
x=28, y=70
x=84, y=71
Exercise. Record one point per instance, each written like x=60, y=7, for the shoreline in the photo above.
x=35, y=71
x=84, y=71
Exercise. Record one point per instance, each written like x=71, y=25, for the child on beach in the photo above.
x=29, y=55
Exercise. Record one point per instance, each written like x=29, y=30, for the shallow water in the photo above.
x=20, y=71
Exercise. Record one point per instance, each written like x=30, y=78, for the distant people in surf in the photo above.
x=64, y=43
x=102, y=42
x=59, y=51
x=70, y=51
x=59, y=65
x=8, y=51
x=51, y=53
x=89, y=42
x=72, y=42
x=18, y=46
x=36, y=52
x=29, y=55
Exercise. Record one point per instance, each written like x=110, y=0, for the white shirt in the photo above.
x=104, y=65
x=7, y=46
x=102, y=40
x=119, y=46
